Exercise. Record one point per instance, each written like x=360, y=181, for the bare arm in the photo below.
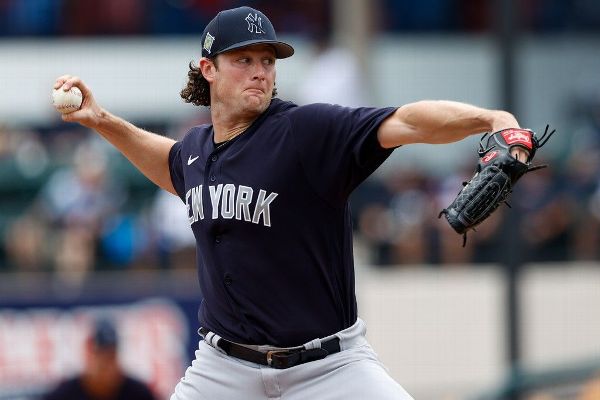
x=436, y=121
x=149, y=152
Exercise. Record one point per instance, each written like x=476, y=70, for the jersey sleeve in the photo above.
x=338, y=146
x=176, y=170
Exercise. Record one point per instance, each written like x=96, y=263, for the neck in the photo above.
x=227, y=125
x=229, y=122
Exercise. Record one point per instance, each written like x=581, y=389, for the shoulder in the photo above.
x=287, y=108
x=316, y=114
x=68, y=387
x=324, y=115
x=318, y=108
x=197, y=132
x=197, y=139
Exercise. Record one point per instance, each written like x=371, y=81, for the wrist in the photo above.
x=503, y=120
x=101, y=118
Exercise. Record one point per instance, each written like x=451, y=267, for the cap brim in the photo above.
x=282, y=49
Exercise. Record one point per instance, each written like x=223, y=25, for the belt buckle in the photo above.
x=270, y=354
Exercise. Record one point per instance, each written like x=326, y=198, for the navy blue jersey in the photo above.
x=270, y=214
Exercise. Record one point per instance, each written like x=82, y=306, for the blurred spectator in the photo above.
x=411, y=206
x=30, y=154
x=583, y=180
x=24, y=163
x=5, y=139
x=102, y=377
x=546, y=220
x=395, y=223
x=67, y=220
x=77, y=202
x=81, y=194
x=371, y=220
x=24, y=242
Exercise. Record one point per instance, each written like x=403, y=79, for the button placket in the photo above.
x=211, y=166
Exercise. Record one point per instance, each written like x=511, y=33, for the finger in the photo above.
x=517, y=154
x=70, y=82
x=76, y=81
x=520, y=154
x=61, y=80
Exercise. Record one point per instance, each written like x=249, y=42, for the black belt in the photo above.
x=279, y=359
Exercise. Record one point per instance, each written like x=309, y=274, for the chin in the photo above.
x=258, y=104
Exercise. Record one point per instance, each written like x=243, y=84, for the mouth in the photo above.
x=255, y=91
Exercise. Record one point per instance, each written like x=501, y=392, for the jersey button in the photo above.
x=227, y=279
x=213, y=178
x=214, y=158
x=217, y=239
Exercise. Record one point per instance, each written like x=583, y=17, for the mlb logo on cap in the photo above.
x=241, y=27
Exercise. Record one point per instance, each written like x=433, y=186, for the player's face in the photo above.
x=245, y=78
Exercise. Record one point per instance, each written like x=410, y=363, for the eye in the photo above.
x=244, y=60
x=269, y=61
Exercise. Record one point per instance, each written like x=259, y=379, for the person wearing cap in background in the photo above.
x=266, y=187
x=102, y=377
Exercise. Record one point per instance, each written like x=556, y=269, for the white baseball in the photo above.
x=67, y=102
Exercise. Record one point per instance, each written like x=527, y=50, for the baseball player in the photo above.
x=266, y=187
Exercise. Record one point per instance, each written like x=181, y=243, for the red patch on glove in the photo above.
x=519, y=137
x=489, y=157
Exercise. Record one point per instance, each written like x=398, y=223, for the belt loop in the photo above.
x=213, y=339
x=313, y=344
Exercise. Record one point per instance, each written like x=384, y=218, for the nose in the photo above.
x=259, y=72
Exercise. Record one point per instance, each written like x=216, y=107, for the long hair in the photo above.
x=197, y=89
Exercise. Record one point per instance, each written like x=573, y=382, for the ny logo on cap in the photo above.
x=254, y=23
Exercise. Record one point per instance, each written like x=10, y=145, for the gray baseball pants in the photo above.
x=355, y=373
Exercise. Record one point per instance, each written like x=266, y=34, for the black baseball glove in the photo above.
x=496, y=173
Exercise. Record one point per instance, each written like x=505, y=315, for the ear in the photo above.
x=207, y=68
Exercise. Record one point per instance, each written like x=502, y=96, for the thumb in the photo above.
x=69, y=117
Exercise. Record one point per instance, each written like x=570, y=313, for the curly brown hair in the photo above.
x=197, y=89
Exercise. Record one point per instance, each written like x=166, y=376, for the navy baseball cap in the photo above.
x=240, y=27
x=104, y=334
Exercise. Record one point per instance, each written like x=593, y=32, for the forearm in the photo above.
x=149, y=152
x=433, y=121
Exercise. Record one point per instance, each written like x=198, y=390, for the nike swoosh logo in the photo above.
x=191, y=160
